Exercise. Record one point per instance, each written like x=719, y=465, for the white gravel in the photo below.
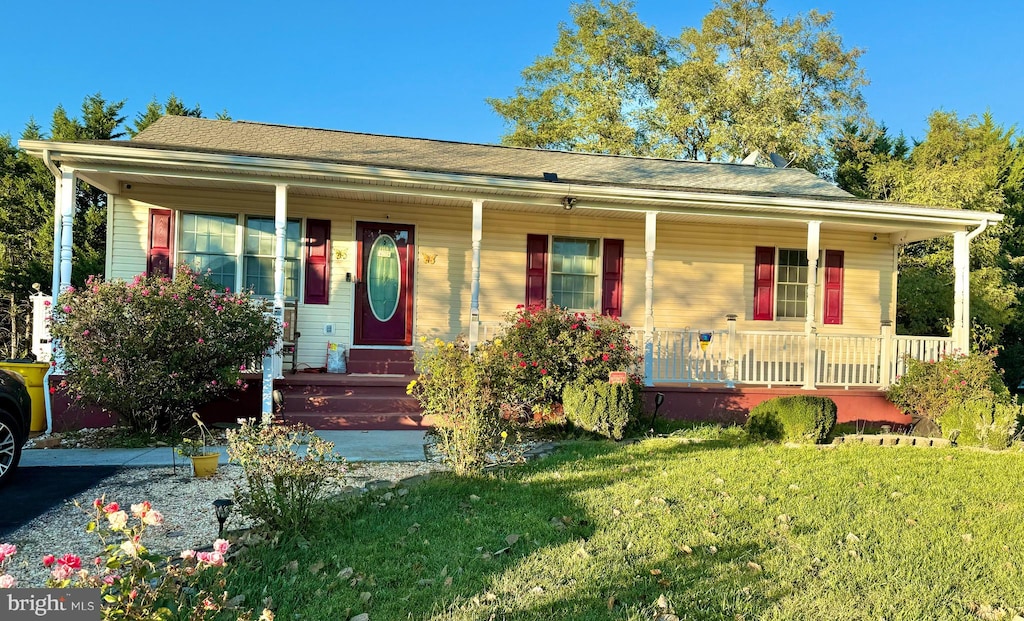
x=184, y=500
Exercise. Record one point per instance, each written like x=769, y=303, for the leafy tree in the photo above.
x=963, y=163
x=744, y=81
x=596, y=91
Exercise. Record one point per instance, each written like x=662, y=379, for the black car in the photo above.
x=15, y=417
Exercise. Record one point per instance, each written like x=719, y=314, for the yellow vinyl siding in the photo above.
x=702, y=271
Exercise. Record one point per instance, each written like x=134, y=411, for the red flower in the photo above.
x=534, y=363
x=70, y=560
x=611, y=345
x=522, y=363
x=48, y=560
x=604, y=357
x=111, y=508
x=543, y=371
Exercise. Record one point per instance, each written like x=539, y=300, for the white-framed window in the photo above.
x=791, y=284
x=575, y=273
x=238, y=257
x=260, y=252
x=207, y=243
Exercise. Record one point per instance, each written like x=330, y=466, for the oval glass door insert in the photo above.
x=383, y=278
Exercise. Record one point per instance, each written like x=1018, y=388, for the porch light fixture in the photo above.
x=222, y=508
x=568, y=202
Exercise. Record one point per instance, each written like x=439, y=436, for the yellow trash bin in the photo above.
x=33, y=372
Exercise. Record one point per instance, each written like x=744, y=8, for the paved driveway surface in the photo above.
x=34, y=491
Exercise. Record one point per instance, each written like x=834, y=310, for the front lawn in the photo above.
x=723, y=531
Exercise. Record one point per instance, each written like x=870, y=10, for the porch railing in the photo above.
x=775, y=358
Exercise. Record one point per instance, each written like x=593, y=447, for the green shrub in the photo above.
x=930, y=388
x=284, y=485
x=155, y=348
x=978, y=423
x=601, y=407
x=540, y=351
x=797, y=418
x=764, y=424
x=453, y=388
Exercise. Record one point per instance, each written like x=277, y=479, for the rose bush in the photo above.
x=930, y=388
x=134, y=582
x=154, y=348
x=540, y=351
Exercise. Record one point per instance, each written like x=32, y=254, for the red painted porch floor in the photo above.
x=368, y=401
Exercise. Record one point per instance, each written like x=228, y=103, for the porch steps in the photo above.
x=380, y=361
x=353, y=401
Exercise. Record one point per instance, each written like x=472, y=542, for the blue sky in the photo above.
x=423, y=69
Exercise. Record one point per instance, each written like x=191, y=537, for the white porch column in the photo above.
x=57, y=230
x=650, y=242
x=961, y=292
x=810, y=326
x=474, y=296
x=67, y=216
x=272, y=364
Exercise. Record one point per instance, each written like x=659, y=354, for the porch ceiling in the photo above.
x=385, y=192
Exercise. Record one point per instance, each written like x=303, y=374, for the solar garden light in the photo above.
x=659, y=398
x=222, y=507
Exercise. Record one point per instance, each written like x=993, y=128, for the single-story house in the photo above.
x=741, y=282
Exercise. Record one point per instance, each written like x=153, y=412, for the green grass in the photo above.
x=723, y=530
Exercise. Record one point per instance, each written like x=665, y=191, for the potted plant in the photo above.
x=204, y=461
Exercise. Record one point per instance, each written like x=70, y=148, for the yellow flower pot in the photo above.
x=205, y=465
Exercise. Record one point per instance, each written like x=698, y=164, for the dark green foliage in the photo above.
x=601, y=407
x=981, y=423
x=797, y=418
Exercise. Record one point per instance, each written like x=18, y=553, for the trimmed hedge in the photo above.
x=602, y=408
x=797, y=418
x=980, y=423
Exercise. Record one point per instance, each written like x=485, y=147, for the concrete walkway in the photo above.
x=352, y=445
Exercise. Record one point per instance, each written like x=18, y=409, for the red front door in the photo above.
x=384, y=283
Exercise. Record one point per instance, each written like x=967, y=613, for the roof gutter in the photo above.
x=978, y=231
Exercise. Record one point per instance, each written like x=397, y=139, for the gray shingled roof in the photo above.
x=300, y=143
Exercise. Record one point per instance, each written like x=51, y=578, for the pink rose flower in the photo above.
x=70, y=560
x=85, y=333
x=188, y=554
x=62, y=572
x=48, y=560
x=111, y=579
x=221, y=545
x=111, y=507
x=7, y=550
x=7, y=581
x=153, y=518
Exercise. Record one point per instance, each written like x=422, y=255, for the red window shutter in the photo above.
x=833, y=311
x=161, y=241
x=611, y=285
x=318, y=261
x=764, y=283
x=536, y=270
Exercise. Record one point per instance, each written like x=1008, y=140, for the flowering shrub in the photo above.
x=453, y=388
x=928, y=389
x=283, y=486
x=135, y=583
x=542, y=350
x=155, y=348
